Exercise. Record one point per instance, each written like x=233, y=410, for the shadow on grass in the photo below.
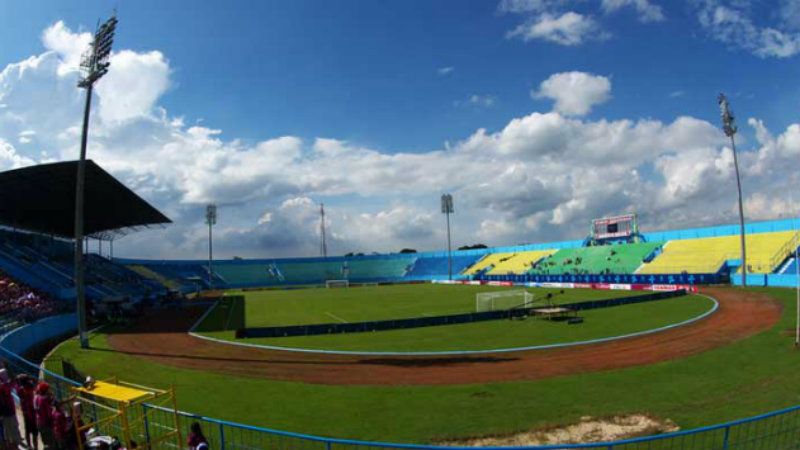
x=312, y=360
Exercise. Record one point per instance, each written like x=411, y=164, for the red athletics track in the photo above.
x=164, y=339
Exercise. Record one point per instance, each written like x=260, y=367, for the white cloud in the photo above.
x=575, y=93
x=477, y=100
x=541, y=176
x=647, y=11
x=133, y=84
x=445, y=70
x=731, y=23
x=69, y=46
x=568, y=29
x=525, y=6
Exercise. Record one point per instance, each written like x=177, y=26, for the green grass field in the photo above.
x=308, y=306
x=747, y=377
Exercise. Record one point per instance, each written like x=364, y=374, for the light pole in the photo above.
x=94, y=64
x=211, y=220
x=729, y=127
x=447, y=209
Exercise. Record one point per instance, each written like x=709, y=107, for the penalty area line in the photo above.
x=335, y=317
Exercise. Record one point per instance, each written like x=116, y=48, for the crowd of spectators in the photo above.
x=20, y=302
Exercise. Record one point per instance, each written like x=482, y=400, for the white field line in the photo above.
x=203, y=317
x=335, y=317
x=711, y=311
x=230, y=314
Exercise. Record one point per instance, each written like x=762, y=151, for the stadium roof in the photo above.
x=42, y=199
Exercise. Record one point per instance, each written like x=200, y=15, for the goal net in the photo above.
x=503, y=300
x=337, y=284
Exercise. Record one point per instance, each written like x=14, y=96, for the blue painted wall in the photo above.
x=21, y=339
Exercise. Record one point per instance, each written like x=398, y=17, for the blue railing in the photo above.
x=775, y=430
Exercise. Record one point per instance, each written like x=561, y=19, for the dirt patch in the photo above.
x=587, y=430
x=163, y=339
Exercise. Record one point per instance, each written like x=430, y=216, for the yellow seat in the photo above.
x=487, y=261
x=706, y=255
x=518, y=263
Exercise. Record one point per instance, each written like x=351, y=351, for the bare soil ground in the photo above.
x=164, y=339
x=587, y=430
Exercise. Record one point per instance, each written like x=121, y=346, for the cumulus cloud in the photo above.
x=575, y=93
x=569, y=29
x=647, y=11
x=542, y=176
x=730, y=22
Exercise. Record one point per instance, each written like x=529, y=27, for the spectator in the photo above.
x=43, y=408
x=8, y=411
x=26, y=386
x=197, y=441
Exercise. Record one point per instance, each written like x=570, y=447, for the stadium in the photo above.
x=652, y=330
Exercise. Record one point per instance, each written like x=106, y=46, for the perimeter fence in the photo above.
x=776, y=430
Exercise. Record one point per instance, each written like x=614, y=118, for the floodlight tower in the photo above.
x=94, y=64
x=447, y=209
x=211, y=220
x=729, y=127
x=323, y=247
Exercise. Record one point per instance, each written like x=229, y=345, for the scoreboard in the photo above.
x=614, y=227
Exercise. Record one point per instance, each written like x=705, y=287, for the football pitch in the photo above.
x=358, y=304
x=754, y=374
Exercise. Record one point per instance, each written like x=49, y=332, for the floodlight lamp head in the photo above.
x=447, y=204
x=211, y=214
x=95, y=61
x=728, y=120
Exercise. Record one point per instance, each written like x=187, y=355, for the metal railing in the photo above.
x=785, y=250
x=776, y=430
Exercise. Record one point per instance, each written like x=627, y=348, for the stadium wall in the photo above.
x=28, y=336
x=658, y=236
x=769, y=279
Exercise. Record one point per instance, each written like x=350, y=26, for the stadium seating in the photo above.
x=487, y=262
x=707, y=255
x=21, y=303
x=376, y=269
x=516, y=263
x=437, y=266
x=602, y=259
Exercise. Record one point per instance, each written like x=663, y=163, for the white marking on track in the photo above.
x=335, y=317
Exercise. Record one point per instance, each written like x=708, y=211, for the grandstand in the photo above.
x=706, y=251
x=517, y=263
x=766, y=251
x=602, y=259
x=437, y=266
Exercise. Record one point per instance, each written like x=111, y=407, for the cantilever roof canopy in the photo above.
x=42, y=199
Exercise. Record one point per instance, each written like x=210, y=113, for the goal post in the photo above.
x=337, y=284
x=503, y=300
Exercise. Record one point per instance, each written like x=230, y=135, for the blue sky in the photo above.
x=367, y=71
x=389, y=80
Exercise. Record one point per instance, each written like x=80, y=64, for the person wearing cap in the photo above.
x=43, y=407
x=8, y=411
x=26, y=388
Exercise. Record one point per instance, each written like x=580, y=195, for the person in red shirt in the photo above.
x=61, y=428
x=8, y=411
x=43, y=409
x=26, y=386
